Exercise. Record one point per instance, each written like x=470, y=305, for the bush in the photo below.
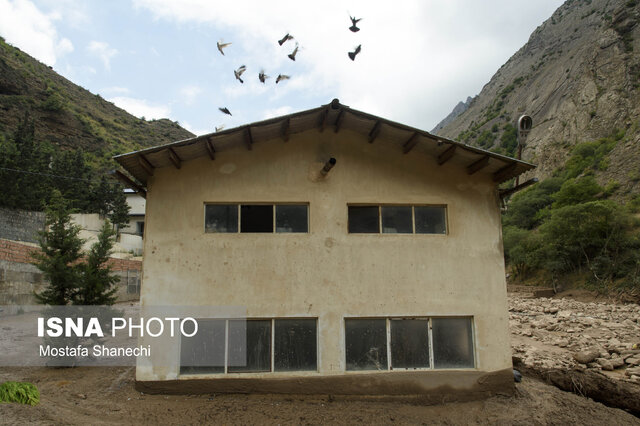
x=526, y=208
x=21, y=392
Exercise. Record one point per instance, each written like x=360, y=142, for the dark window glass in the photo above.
x=295, y=345
x=452, y=343
x=290, y=218
x=204, y=352
x=366, y=344
x=140, y=228
x=397, y=220
x=363, y=219
x=410, y=343
x=256, y=218
x=430, y=220
x=221, y=218
x=249, y=346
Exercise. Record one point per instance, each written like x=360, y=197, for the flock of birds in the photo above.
x=281, y=77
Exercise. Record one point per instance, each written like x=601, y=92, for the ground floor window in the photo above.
x=250, y=346
x=408, y=343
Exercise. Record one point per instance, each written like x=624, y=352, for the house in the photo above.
x=366, y=253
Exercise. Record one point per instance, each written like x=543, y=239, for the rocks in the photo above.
x=586, y=357
x=572, y=335
x=605, y=364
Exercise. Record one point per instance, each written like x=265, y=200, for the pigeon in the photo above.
x=293, y=54
x=222, y=46
x=225, y=110
x=239, y=72
x=354, y=21
x=262, y=76
x=218, y=128
x=282, y=77
x=285, y=39
x=353, y=54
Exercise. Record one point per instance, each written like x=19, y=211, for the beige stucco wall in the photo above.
x=327, y=273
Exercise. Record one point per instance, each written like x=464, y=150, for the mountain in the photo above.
x=69, y=116
x=457, y=110
x=578, y=76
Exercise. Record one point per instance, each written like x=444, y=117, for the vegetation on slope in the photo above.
x=69, y=117
x=568, y=224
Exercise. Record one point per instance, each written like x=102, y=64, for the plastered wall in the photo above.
x=327, y=273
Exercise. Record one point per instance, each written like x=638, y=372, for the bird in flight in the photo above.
x=262, y=76
x=239, y=72
x=353, y=26
x=226, y=111
x=285, y=39
x=293, y=54
x=353, y=54
x=222, y=46
x=282, y=77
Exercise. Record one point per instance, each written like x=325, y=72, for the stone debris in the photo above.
x=568, y=334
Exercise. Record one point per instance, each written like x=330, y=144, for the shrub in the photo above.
x=21, y=392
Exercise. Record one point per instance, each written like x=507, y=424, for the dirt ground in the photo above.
x=102, y=395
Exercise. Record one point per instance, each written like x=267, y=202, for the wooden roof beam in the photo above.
x=410, y=143
x=130, y=183
x=339, y=120
x=210, y=149
x=446, y=155
x=375, y=131
x=145, y=164
x=248, y=138
x=505, y=172
x=323, y=119
x=286, y=129
x=175, y=159
x=478, y=165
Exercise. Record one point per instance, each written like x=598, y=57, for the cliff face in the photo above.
x=578, y=76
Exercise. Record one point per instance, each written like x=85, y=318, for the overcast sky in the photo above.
x=158, y=58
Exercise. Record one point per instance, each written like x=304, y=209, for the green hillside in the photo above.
x=70, y=117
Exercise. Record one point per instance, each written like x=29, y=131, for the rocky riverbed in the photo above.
x=562, y=333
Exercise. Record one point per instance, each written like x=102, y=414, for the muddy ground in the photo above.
x=100, y=395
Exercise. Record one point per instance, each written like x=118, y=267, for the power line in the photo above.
x=50, y=175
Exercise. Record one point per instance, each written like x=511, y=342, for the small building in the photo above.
x=366, y=253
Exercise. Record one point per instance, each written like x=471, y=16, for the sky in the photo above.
x=158, y=58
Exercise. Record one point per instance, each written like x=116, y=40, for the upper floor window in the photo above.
x=256, y=218
x=389, y=219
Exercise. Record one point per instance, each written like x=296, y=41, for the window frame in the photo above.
x=272, y=351
x=432, y=367
x=413, y=218
x=273, y=205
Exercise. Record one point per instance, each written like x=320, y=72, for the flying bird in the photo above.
x=239, y=72
x=285, y=39
x=262, y=76
x=225, y=110
x=293, y=54
x=353, y=26
x=353, y=54
x=222, y=46
x=282, y=77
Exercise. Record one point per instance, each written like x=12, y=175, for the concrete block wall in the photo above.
x=20, y=225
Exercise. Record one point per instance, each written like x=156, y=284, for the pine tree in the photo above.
x=119, y=208
x=98, y=284
x=60, y=252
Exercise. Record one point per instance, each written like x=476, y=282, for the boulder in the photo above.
x=605, y=364
x=586, y=357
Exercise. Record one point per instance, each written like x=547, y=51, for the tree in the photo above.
x=60, y=252
x=119, y=215
x=97, y=283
